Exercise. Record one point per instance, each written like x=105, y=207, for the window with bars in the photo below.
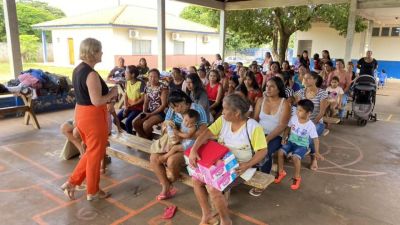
x=141, y=47
x=179, y=48
x=376, y=31
x=385, y=31
x=395, y=31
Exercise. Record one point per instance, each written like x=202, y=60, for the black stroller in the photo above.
x=364, y=96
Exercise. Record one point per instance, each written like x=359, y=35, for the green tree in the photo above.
x=275, y=25
x=29, y=47
x=30, y=13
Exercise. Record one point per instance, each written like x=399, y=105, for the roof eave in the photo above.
x=71, y=26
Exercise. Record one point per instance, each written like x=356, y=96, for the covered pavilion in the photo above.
x=375, y=11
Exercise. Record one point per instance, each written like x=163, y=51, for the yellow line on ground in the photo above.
x=389, y=117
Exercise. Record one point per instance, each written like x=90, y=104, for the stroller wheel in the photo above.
x=375, y=117
x=363, y=122
x=347, y=114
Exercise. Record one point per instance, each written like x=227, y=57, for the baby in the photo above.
x=186, y=133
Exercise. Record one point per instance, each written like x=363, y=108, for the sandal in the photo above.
x=99, y=195
x=169, y=212
x=212, y=221
x=169, y=194
x=256, y=192
x=69, y=190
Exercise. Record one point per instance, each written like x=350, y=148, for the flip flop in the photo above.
x=169, y=212
x=171, y=193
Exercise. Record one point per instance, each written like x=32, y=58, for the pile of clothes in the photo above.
x=39, y=83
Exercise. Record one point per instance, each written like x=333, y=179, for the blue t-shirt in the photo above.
x=177, y=118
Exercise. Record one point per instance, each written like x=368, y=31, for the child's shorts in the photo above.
x=298, y=151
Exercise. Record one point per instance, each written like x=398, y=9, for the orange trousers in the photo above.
x=92, y=123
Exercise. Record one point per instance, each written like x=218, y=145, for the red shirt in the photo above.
x=259, y=79
x=212, y=92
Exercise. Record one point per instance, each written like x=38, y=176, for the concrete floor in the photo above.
x=358, y=183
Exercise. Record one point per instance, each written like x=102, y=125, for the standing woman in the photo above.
x=197, y=92
x=367, y=65
x=304, y=60
x=273, y=113
x=267, y=62
x=155, y=102
x=319, y=97
x=142, y=67
x=326, y=57
x=91, y=120
x=217, y=62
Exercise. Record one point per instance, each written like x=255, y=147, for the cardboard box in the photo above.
x=220, y=175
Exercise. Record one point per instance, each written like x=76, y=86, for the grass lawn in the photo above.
x=67, y=71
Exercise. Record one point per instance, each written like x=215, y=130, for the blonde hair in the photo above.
x=89, y=48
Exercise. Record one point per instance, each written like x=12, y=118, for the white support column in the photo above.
x=350, y=30
x=11, y=24
x=222, y=33
x=161, y=34
x=367, y=44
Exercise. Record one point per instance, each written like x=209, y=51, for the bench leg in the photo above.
x=35, y=124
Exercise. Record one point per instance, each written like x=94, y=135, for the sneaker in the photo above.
x=326, y=132
x=296, y=183
x=279, y=177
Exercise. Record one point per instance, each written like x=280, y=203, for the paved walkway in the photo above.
x=356, y=184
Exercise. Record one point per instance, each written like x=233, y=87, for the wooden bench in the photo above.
x=259, y=180
x=27, y=109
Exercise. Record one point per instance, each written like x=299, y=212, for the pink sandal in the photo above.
x=169, y=194
x=169, y=212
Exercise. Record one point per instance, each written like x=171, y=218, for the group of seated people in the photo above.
x=254, y=111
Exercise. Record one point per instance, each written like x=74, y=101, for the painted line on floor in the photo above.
x=50, y=195
x=389, y=117
x=120, y=205
x=126, y=217
x=55, y=175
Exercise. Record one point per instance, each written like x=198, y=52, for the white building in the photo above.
x=131, y=32
x=384, y=43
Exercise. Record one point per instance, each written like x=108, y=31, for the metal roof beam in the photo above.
x=256, y=4
x=374, y=4
x=206, y=3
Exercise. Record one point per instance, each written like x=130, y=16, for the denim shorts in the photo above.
x=298, y=151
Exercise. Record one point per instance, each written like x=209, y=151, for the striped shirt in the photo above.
x=177, y=118
x=321, y=95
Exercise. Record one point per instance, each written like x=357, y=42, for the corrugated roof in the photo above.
x=128, y=16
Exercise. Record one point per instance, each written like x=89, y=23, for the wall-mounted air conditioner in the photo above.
x=133, y=34
x=175, y=36
x=205, y=39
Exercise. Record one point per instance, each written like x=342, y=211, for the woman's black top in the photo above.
x=79, y=77
x=367, y=67
x=143, y=70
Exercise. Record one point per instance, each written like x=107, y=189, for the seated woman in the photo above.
x=253, y=90
x=117, y=73
x=180, y=103
x=273, y=113
x=275, y=69
x=155, y=102
x=245, y=139
x=214, y=93
x=142, y=67
x=233, y=84
x=224, y=79
x=178, y=80
x=134, y=98
x=197, y=93
x=319, y=97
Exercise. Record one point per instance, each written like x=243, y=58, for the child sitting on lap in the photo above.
x=301, y=130
x=186, y=133
x=335, y=93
